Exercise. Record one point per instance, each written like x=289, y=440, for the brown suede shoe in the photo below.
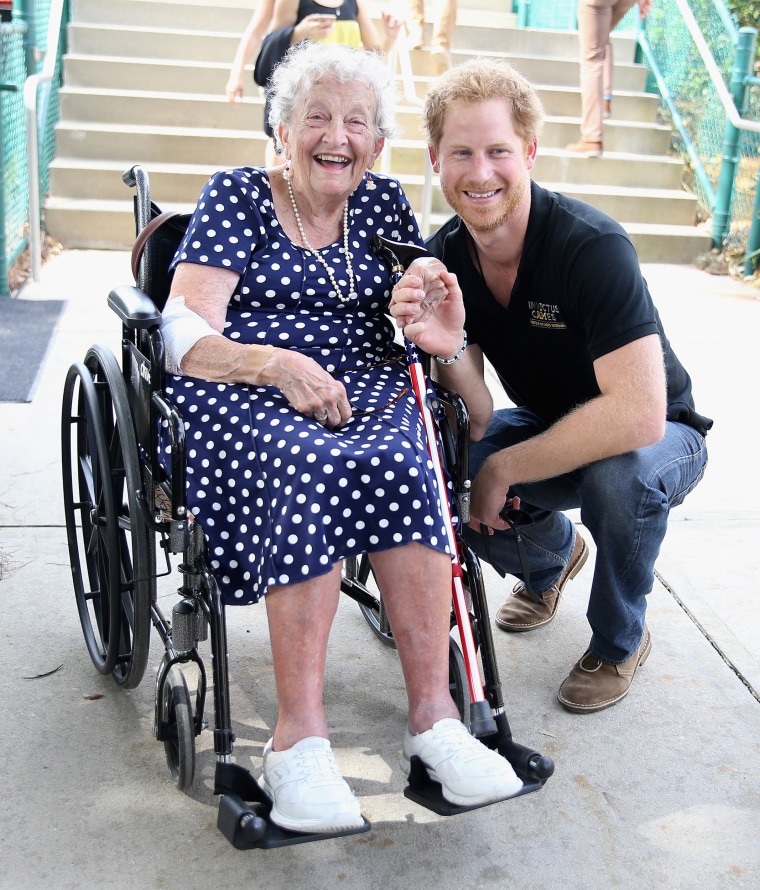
x=520, y=613
x=586, y=149
x=593, y=685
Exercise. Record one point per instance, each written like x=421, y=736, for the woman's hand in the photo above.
x=234, y=88
x=313, y=27
x=307, y=387
x=392, y=25
x=427, y=305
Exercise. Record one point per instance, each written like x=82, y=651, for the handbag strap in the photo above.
x=148, y=229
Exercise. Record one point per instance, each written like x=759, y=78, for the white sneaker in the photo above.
x=470, y=774
x=308, y=792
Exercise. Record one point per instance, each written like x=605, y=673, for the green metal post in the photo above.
x=4, y=288
x=522, y=13
x=731, y=151
x=753, y=244
x=26, y=11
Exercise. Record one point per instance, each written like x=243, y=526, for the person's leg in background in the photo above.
x=619, y=11
x=443, y=34
x=594, y=18
x=609, y=64
x=415, y=23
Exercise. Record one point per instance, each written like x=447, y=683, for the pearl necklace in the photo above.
x=318, y=256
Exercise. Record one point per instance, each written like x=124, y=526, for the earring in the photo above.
x=286, y=173
x=370, y=182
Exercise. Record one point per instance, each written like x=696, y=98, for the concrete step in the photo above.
x=209, y=78
x=654, y=243
x=626, y=106
x=174, y=184
x=208, y=18
x=636, y=205
x=127, y=14
x=92, y=104
x=144, y=82
x=549, y=71
x=557, y=165
x=180, y=42
x=615, y=169
x=146, y=145
x=155, y=115
x=216, y=148
x=86, y=106
x=72, y=220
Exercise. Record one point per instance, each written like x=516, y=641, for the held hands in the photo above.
x=307, y=387
x=427, y=305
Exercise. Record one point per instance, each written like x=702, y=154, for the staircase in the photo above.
x=144, y=83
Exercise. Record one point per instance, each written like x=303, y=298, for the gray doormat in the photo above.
x=26, y=330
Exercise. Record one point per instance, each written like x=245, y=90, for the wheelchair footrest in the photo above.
x=429, y=794
x=248, y=826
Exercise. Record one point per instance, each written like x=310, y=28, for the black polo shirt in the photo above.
x=578, y=295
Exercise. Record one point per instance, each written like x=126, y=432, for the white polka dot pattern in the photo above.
x=280, y=497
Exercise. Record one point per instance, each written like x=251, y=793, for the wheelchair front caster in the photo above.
x=176, y=728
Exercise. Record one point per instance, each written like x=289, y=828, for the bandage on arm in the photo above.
x=218, y=360
x=181, y=329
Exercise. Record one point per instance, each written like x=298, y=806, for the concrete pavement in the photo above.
x=662, y=790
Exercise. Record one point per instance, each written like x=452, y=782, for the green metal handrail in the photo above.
x=35, y=121
x=718, y=194
x=8, y=255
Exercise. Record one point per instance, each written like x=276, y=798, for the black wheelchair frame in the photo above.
x=119, y=502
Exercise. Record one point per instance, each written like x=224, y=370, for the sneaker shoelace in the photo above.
x=318, y=767
x=456, y=740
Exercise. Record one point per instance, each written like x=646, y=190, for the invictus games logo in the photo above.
x=545, y=315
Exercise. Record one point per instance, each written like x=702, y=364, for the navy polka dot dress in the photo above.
x=280, y=497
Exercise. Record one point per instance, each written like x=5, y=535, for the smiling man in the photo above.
x=553, y=296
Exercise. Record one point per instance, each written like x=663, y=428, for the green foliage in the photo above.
x=747, y=12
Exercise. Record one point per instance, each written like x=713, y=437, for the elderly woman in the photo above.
x=304, y=442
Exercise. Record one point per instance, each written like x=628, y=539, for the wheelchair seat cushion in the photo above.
x=280, y=497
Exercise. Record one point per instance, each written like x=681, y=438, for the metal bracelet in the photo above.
x=450, y=361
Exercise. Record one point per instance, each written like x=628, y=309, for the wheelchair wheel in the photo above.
x=111, y=547
x=459, y=686
x=377, y=618
x=177, y=715
x=375, y=615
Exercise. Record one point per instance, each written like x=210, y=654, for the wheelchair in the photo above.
x=122, y=508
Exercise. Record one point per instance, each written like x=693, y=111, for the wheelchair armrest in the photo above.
x=134, y=307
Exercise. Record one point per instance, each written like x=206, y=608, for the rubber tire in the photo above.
x=118, y=547
x=360, y=569
x=177, y=713
x=91, y=522
x=459, y=685
x=376, y=617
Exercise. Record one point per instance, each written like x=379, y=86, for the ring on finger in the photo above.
x=321, y=418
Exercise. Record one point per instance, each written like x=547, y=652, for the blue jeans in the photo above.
x=624, y=503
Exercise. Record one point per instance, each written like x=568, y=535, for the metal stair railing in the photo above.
x=35, y=121
x=702, y=66
x=400, y=52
